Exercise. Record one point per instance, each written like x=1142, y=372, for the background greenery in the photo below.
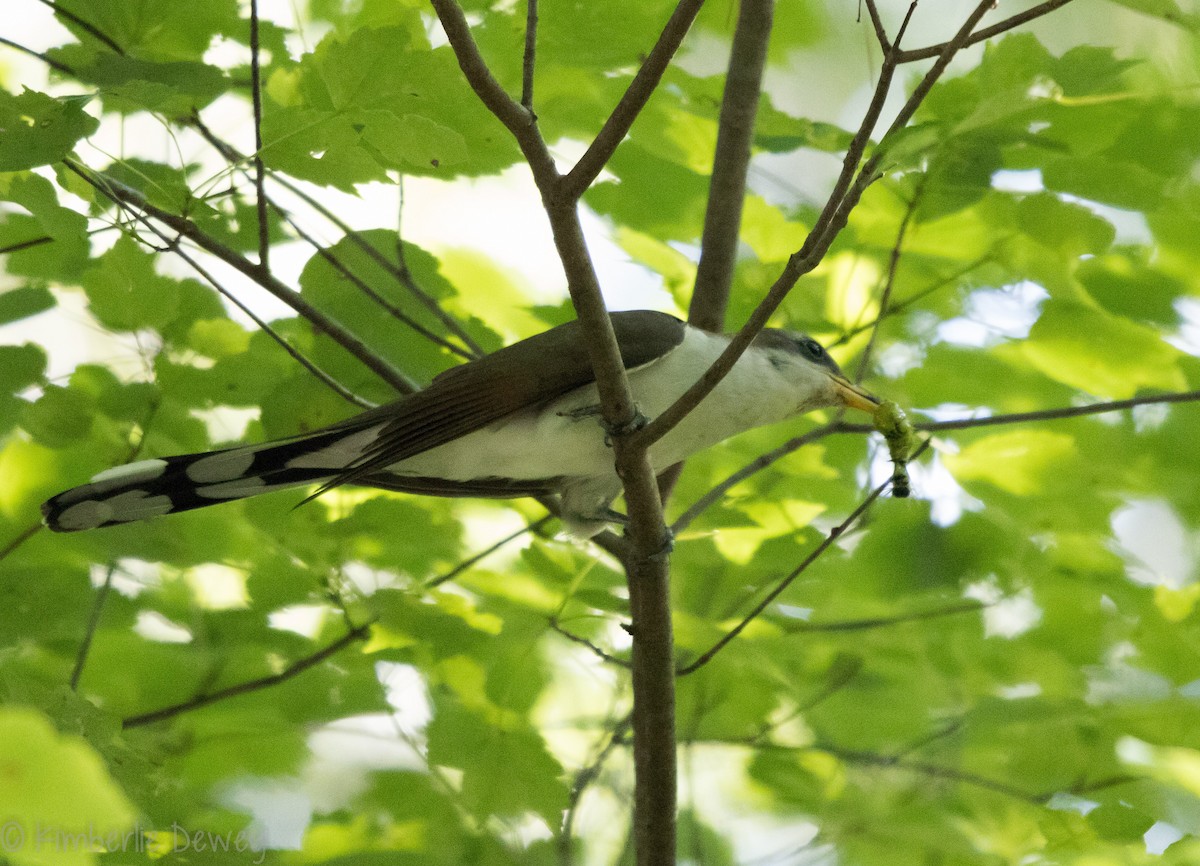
x=1004, y=669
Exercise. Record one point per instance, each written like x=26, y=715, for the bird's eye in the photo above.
x=814, y=348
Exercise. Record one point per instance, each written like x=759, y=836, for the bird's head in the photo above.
x=820, y=381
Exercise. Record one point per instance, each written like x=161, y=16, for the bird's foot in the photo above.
x=668, y=546
x=634, y=424
x=581, y=412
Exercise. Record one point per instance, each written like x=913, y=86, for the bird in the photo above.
x=521, y=421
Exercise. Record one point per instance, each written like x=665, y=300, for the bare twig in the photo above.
x=582, y=641
x=472, y=560
x=826, y=543
x=87, y=26
x=24, y=535
x=530, y=56
x=617, y=126
x=1042, y=414
x=754, y=466
x=518, y=119
x=294, y=669
x=264, y=240
x=186, y=228
x=987, y=32
x=53, y=64
x=731, y=161
x=585, y=777
x=885, y=297
x=868, y=623
x=880, y=33
x=397, y=269
x=364, y=287
x=90, y=632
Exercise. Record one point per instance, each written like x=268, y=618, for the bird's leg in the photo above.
x=634, y=424
x=637, y=422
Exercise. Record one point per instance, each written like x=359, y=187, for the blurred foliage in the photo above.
x=998, y=671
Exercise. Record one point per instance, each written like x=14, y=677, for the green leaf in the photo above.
x=61, y=416
x=1021, y=462
x=1101, y=354
x=39, y=129
x=56, y=788
x=125, y=292
x=21, y=366
x=24, y=302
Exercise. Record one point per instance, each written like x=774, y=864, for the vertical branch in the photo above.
x=527, y=65
x=731, y=161
x=264, y=241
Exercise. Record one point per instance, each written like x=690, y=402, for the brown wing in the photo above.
x=517, y=377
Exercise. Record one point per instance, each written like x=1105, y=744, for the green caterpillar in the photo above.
x=897, y=430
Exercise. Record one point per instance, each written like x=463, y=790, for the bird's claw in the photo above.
x=634, y=424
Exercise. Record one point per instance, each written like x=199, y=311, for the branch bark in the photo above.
x=731, y=161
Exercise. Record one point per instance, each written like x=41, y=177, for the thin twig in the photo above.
x=877, y=23
x=527, y=62
x=292, y=670
x=93, y=622
x=262, y=324
x=643, y=86
x=517, y=118
x=86, y=26
x=1042, y=414
x=24, y=535
x=363, y=286
x=582, y=641
x=869, y=623
x=472, y=560
x=118, y=192
x=885, y=297
x=53, y=64
x=397, y=270
x=264, y=240
x=834, y=535
x=718, y=491
x=987, y=32
x=585, y=777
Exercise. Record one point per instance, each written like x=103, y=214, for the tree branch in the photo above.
x=826, y=543
x=731, y=161
x=530, y=56
x=294, y=669
x=987, y=32
x=644, y=83
x=518, y=119
x=118, y=192
x=260, y=199
x=486, y=552
x=647, y=563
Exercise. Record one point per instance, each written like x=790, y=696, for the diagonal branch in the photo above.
x=817, y=552
x=294, y=669
x=987, y=32
x=118, y=192
x=518, y=119
x=643, y=86
x=834, y=216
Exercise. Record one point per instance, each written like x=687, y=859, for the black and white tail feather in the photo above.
x=150, y=488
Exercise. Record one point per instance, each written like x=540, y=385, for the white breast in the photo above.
x=553, y=442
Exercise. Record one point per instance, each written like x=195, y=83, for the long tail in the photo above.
x=150, y=488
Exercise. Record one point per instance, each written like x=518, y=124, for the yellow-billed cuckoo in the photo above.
x=523, y=421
